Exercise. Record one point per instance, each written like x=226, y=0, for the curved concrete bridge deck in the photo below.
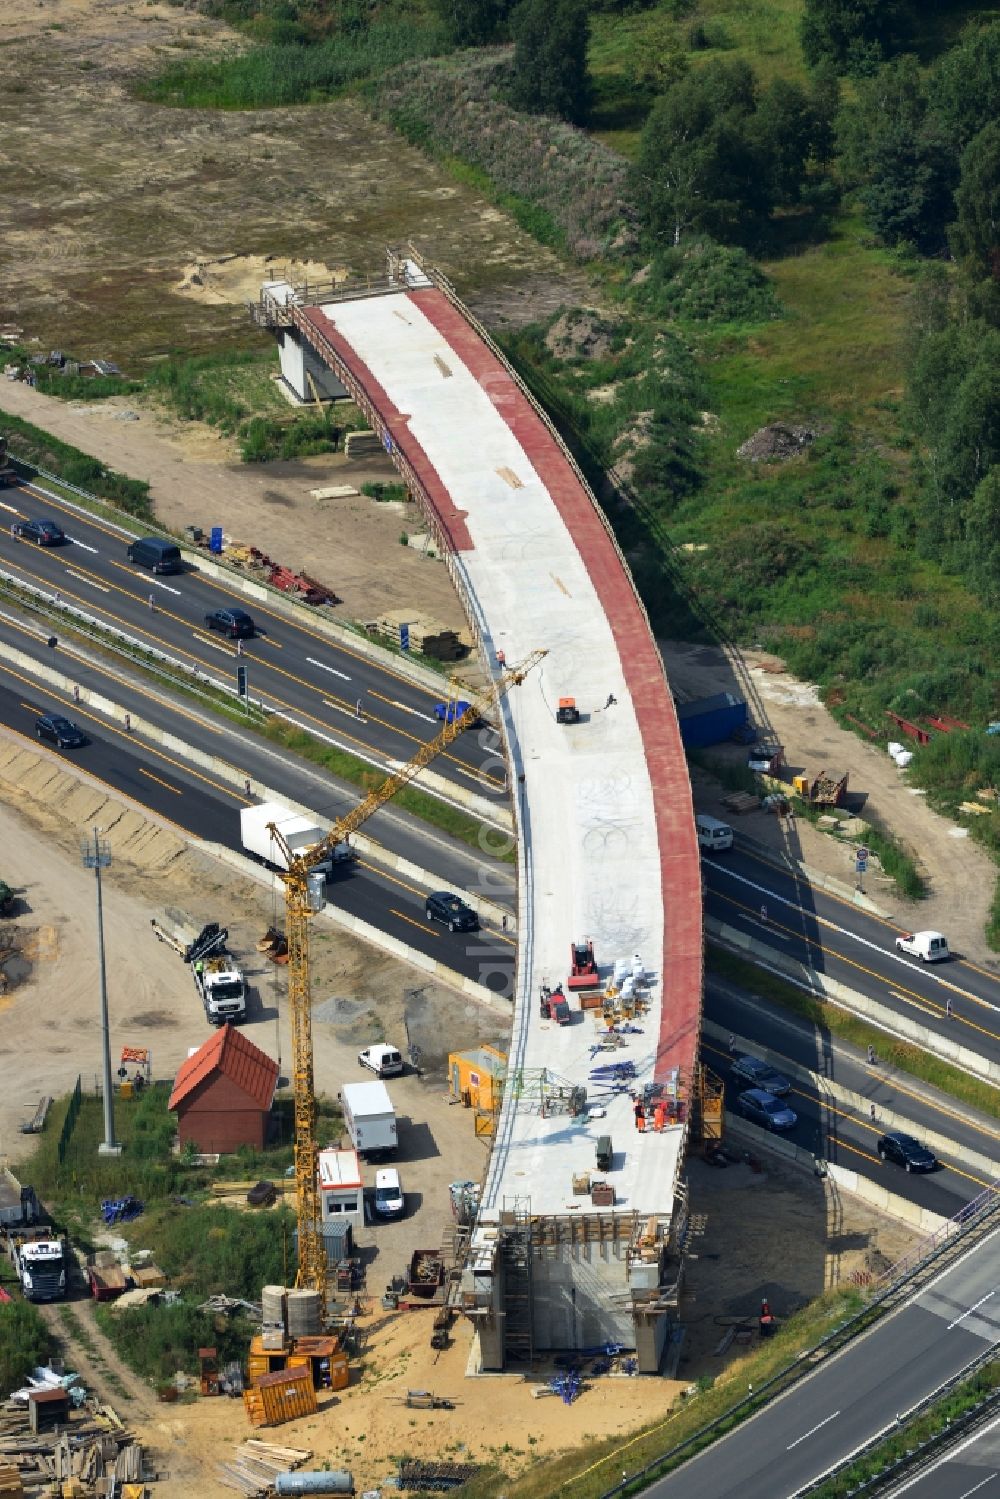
x=607, y=840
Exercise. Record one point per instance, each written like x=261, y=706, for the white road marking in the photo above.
x=156, y=583
x=82, y=578
x=339, y=707
x=82, y=544
x=812, y=1431
x=885, y=952
x=323, y=667
x=970, y=1310
x=427, y=717
x=216, y=645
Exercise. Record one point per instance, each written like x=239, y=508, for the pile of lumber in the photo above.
x=427, y=636
x=74, y=1459
x=363, y=445
x=257, y=1465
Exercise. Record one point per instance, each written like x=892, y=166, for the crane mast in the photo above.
x=312, y=1271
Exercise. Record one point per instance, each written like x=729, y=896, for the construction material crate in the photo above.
x=284, y=1396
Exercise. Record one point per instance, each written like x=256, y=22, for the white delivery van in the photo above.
x=384, y=1061
x=370, y=1117
x=389, y=1199
x=929, y=947
x=713, y=835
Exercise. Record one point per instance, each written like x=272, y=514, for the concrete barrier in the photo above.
x=877, y=1197
x=815, y=876
x=232, y=776
x=371, y=934
x=886, y=1119
x=839, y=994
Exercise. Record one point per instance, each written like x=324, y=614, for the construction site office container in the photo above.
x=476, y=1077
x=283, y=1396
x=710, y=720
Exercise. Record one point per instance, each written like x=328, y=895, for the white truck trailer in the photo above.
x=300, y=833
x=370, y=1118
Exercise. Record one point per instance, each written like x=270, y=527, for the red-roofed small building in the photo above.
x=223, y=1094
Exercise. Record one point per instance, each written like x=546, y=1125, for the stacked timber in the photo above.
x=78, y=1458
x=363, y=445
x=257, y=1465
x=427, y=636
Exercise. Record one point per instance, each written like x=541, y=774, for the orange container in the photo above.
x=279, y=1397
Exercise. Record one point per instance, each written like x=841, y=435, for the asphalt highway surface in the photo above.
x=838, y=1133
x=294, y=668
x=856, y=1395
x=844, y=942
x=255, y=758
x=197, y=802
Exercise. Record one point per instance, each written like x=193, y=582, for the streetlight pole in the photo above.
x=97, y=856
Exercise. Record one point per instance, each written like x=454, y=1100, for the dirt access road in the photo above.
x=959, y=877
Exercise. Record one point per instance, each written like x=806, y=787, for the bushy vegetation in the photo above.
x=235, y=393
x=24, y=1343
x=160, y=1341
x=34, y=448
x=293, y=72
x=52, y=382
x=456, y=107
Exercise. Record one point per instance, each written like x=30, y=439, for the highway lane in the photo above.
x=971, y=1466
x=788, y=1036
x=313, y=680
x=196, y=803
x=838, y=1134
x=850, y=1399
x=846, y=943
x=255, y=757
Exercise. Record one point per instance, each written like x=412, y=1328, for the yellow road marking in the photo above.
x=421, y=927
x=165, y=784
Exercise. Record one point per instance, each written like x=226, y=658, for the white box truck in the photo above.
x=300, y=833
x=370, y=1118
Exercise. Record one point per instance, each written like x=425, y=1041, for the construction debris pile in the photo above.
x=438, y=1477
x=251, y=560
x=47, y=1450
x=257, y=1466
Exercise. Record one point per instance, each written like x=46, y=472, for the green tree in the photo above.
x=897, y=152
x=854, y=34
x=699, y=165
x=965, y=83
x=784, y=131
x=474, y=23
x=655, y=59
x=983, y=537
x=24, y=1343
x=975, y=234
x=550, y=58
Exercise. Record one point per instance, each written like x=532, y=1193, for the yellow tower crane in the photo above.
x=312, y=1272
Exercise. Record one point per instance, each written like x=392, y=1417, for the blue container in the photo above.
x=710, y=720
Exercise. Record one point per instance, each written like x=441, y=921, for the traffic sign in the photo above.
x=862, y=853
x=861, y=865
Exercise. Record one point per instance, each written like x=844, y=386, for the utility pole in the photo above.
x=97, y=856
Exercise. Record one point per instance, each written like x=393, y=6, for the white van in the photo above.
x=384, y=1061
x=713, y=835
x=389, y=1199
x=929, y=947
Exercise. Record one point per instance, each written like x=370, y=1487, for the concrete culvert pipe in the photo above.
x=314, y=1483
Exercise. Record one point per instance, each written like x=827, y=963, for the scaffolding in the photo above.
x=516, y=1251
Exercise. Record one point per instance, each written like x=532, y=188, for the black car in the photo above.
x=751, y=1072
x=236, y=623
x=907, y=1152
x=60, y=731
x=444, y=906
x=44, y=533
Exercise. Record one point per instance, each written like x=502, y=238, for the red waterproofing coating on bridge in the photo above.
x=681, y=979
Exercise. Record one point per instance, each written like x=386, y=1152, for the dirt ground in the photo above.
x=196, y=479
x=737, y=1213
x=959, y=876
x=108, y=202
